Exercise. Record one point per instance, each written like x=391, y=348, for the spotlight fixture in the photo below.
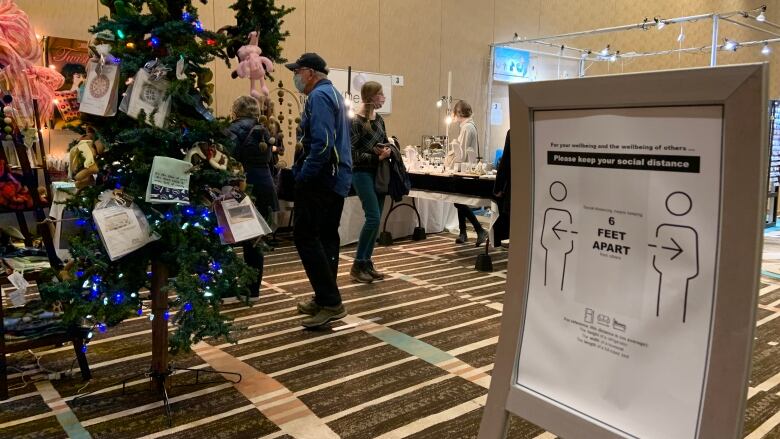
x=681, y=37
x=730, y=45
x=448, y=119
x=613, y=58
x=659, y=24
x=605, y=51
x=438, y=103
x=761, y=16
x=516, y=37
x=766, y=50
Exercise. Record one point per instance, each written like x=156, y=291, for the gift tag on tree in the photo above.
x=169, y=181
x=17, y=296
x=149, y=94
x=122, y=226
x=100, y=91
x=239, y=220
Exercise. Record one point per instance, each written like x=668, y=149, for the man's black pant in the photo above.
x=317, y=214
x=464, y=213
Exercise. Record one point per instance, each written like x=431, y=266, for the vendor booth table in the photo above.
x=431, y=201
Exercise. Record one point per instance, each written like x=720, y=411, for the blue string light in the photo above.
x=79, y=273
x=219, y=230
x=187, y=307
x=140, y=311
x=198, y=26
x=168, y=216
x=101, y=327
x=81, y=222
x=205, y=278
x=166, y=314
x=189, y=210
x=84, y=349
x=186, y=16
x=154, y=41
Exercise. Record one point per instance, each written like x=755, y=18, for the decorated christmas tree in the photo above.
x=145, y=114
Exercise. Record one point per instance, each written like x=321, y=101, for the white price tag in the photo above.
x=19, y=281
x=17, y=298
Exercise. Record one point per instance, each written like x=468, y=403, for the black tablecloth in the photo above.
x=475, y=187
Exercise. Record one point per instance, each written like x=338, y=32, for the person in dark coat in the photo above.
x=502, y=191
x=252, y=149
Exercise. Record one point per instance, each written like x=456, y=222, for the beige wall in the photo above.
x=424, y=39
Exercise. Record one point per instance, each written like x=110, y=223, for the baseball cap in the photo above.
x=309, y=60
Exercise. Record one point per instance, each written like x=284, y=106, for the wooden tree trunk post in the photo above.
x=159, y=297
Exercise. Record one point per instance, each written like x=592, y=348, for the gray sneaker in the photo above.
x=325, y=315
x=310, y=308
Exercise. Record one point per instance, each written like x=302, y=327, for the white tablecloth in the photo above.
x=436, y=216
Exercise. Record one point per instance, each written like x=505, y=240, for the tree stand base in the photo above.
x=160, y=382
x=418, y=234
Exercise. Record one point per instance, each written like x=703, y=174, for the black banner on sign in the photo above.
x=640, y=162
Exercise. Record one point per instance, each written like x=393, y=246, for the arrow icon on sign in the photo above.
x=676, y=248
x=555, y=230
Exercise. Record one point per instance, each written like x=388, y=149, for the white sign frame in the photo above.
x=742, y=93
x=339, y=79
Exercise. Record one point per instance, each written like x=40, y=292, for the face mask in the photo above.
x=299, y=84
x=379, y=101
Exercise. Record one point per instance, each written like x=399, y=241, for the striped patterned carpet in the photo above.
x=412, y=360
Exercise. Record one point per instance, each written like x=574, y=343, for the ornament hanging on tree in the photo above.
x=82, y=156
x=148, y=93
x=213, y=154
x=254, y=66
x=122, y=226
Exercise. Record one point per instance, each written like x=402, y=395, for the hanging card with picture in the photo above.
x=100, y=91
x=121, y=224
x=148, y=93
x=169, y=181
x=238, y=219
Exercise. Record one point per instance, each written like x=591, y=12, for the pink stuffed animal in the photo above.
x=254, y=66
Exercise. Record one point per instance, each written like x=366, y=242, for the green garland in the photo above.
x=98, y=292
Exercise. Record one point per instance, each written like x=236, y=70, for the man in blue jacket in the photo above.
x=323, y=176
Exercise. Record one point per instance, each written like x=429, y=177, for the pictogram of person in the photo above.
x=557, y=238
x=676, y=255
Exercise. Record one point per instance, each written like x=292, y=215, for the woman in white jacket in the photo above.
x=465, y=149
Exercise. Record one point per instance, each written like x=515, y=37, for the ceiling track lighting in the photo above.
x=605, y=51
x=730, y=45
x=766, y=50
x=659, y=23
x=761, y=16
x=681, y=37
